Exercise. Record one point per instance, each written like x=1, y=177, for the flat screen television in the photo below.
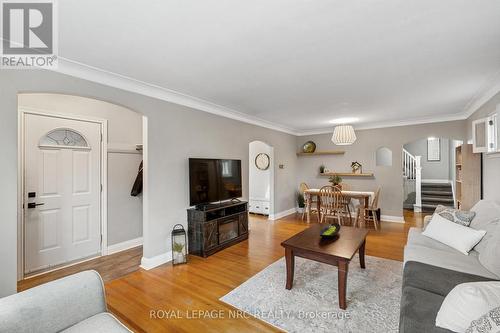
x=212, y=180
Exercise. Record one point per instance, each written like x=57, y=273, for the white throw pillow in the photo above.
x=467, y=302
x=460, y=238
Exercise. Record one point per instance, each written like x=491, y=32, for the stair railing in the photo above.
x=412, y=172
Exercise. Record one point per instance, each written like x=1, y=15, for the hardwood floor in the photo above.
x=110, y=267
x=186, y=297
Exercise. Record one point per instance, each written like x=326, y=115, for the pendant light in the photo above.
x=343, y=135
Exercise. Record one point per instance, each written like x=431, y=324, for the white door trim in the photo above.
x=22, y=111
x=272, y=165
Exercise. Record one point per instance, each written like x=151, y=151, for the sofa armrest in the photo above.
x=54, y=306
x=427, y=219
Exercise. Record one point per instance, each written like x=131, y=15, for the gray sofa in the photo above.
x=72, y=304
x=432, y=270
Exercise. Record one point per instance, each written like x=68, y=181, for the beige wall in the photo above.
x=175, y=133
x=363, y=151
x=491, y=163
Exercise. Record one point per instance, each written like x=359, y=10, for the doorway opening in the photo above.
x=261, y=179
x=430, y=174
x=80, y=181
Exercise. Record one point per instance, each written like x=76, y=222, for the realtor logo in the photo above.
x=28, y=34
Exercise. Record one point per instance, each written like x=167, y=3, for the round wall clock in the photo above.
x=262, y=161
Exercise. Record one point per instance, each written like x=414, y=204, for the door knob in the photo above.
x=33, y=205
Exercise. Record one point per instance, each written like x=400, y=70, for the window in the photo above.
x=433, y=149
x=64, y=137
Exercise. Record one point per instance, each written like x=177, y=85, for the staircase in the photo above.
x=434, y=194
x=412, y=178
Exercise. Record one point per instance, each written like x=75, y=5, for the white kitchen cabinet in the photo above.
x=480, y=135
x=486, y=134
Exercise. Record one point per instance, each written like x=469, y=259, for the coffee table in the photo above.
x=338, y=252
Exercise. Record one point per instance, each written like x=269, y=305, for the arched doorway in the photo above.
x=261, y=178
x=87, y=149
x=429, y=173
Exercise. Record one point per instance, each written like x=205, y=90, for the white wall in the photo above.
x=124, y=132
x=259, y=180
x=432, y=169
x=175, y=133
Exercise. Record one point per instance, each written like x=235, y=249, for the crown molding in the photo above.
x=108, y=78
x=94, y=74
x=386, y=124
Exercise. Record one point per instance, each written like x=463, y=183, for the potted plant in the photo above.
x=336, y=180
x=322, y=169
x=178, y=252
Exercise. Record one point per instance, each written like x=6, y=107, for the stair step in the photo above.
x=438, y=193
x=443, y=189
x=428, y=207
x=433, y=185
x=437, y=200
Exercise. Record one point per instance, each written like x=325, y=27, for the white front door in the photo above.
x=62, y=190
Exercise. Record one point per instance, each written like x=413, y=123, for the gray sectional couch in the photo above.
x=73, y=304
x=432, y=270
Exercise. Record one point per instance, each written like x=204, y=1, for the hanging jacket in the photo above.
x=137, y=188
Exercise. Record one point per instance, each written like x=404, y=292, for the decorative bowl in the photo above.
x=309, y=147
x=330, y=231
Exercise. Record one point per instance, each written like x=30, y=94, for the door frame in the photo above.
x=103, y=213
x=272, y=213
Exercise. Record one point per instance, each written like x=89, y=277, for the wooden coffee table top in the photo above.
x=345, y=246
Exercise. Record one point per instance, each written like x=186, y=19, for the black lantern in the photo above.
x=179, y=245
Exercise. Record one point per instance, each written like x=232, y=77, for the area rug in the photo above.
x=373, y=297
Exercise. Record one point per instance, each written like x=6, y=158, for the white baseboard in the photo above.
x=150, y=263
x=124, y=245
x=284, y=213
x=390, y=218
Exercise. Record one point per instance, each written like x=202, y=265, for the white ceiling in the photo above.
x=293, y=64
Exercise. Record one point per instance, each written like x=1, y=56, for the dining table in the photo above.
x=365, y=198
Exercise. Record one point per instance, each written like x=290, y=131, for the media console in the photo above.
x=216, y=227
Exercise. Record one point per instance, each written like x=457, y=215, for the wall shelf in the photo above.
x=347, y=174
x=325, y=152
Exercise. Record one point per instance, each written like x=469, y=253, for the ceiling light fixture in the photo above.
x=343, y=135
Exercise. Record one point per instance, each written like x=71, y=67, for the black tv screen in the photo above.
x=212, y=180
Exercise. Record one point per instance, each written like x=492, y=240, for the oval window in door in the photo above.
x=64, y=137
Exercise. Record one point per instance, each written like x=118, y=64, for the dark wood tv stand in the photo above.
x=216, y=227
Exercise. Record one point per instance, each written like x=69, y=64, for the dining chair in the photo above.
x=347, y=200
x=308, y=200
x=332, y=204
x=369, y=213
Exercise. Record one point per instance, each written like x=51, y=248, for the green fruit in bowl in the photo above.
x=330, y=231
